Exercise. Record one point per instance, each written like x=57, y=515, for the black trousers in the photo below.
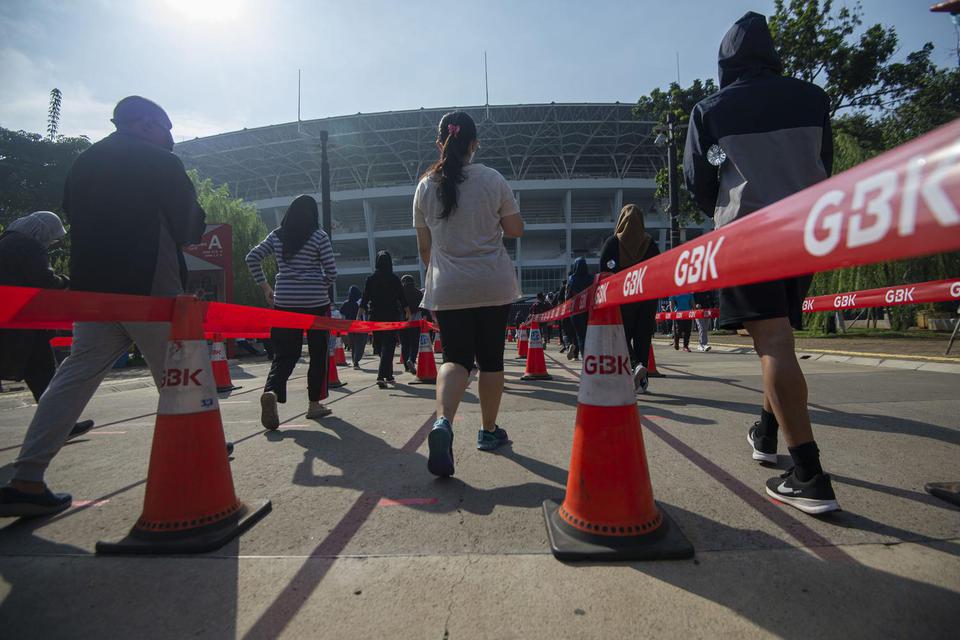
x=410, y=344
x=358, y=342
x=638, y=325
x=579, y=324
x=682, y=330
x=40, y=366
x=388, y=347
x=288, y=345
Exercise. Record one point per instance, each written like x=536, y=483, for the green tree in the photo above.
x=678, y=101
x=33, y=170
x=53, y=113
x=248, y=230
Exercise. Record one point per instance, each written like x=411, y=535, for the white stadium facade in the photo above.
x=572, y=167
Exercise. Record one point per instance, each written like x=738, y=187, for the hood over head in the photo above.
x=354, y=293
x=384, y=262
x=580, y=267
x=407, y=280
x=747, y=49
x=43, y=226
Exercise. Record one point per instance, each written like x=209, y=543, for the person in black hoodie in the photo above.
x=580, y=279
x=26, y=354
x=383, y=300
x=410, y=338
x=350, y=310
x=629, y=245
x=761, y=138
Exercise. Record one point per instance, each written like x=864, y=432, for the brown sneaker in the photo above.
x=269, y=417
x=318, y=410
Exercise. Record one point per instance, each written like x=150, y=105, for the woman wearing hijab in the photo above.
x=26, y=354
x=462, y=210
x=305, y=273
x=383, y=300
x=350, y=310
x=629, y=245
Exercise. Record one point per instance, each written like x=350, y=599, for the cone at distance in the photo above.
x=189, y=505
x=609, y=512
x=652, y=366
x=536, y=364
x=522, y=343
x=437, y=345
x=340, y=357
x=426, y=362
x=510, y=334
x=333, y=378
x=220, y=366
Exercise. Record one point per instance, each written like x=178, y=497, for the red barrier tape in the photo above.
x=688, y=315
x=898, y=205
x=937, y=291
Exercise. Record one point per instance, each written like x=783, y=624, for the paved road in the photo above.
x=364, y=543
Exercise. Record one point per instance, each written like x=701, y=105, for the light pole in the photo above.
x=668, y=137
x=325, y=206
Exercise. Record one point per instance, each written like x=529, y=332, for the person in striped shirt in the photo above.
x=305, y=274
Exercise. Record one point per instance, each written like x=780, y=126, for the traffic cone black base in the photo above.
x=195, y=540
x=536, y=376
x=666, y=542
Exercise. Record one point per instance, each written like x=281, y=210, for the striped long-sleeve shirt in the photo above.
x=304, y=280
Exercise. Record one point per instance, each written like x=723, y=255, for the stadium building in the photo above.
x=572, y=167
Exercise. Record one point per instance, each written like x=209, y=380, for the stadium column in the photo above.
x=617, y=204
x=516, y=195
x=369, y=218
x=568, y=219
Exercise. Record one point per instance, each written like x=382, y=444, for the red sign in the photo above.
x=210, y=264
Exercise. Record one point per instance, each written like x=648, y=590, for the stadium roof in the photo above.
x=523, y=142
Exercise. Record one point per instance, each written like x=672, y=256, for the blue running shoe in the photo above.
x=490, y=440
x=440, y=443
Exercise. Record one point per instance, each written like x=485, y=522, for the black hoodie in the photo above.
x=383, y=294
x=774, y=130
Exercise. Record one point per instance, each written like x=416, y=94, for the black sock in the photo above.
x=806, y=461
x=768, y=425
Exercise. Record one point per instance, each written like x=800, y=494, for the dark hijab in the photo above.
x=299, y=222
x=632, y=235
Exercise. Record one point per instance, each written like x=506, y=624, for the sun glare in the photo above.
x=207, y=10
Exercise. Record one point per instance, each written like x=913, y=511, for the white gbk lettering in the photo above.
x=698, y=265
x=601, y=296
x=895, y=296
x=845, y=301
x=633, y=283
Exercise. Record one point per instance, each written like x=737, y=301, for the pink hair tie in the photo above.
x=453, y=130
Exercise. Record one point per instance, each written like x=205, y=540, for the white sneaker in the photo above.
x=640, y=379
x=705, y=348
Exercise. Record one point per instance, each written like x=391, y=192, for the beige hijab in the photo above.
x=633, y=236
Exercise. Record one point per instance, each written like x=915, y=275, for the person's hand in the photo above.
x=267, y=293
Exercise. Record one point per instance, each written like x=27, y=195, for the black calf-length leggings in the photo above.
x=288, y=345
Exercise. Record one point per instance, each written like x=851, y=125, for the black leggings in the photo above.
x=288, y=345
x=638, y=326
x=682, y=330
x=388, y=345
x=474, y=336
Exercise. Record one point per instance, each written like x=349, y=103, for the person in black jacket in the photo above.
x=131, y=208
x=26, y=354
x=761, y=138
x=383, y=300
x=580, y=279
x=629, y=245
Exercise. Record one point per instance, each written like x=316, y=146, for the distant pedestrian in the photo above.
x=383, y=301
x=131, y=208
x=761, y=138
x=628, y=246
x=410, y=338
x=350, y=310
x=306, y=270
x=579, y=280
x=682, y=328
x=26, y=354
x=462, y=211
x=703, y=301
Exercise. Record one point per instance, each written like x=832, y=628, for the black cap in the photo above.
x=133, y=108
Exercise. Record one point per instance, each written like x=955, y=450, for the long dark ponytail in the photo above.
x=298, y=224
x=455, y=134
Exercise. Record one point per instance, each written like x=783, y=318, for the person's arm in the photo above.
x=36, y=267
x=254, y=262
x=701, y=176
x=364, y=302
x=185, y=218
x=424, y=244
x=609, y=253
x=402, y=299
x=509, y=211
x=512, y=226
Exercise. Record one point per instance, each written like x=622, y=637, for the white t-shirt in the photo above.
x=469, y=266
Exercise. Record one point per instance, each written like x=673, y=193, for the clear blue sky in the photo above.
x=220, y=65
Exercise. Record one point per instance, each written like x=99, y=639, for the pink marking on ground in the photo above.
x=388, y=502
x=89, y=503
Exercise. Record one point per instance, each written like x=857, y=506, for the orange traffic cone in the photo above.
x=340, y=356
x=333, y=378
x=522, y=343
x=437, y=345
x=426, y=362
x=221, y=368
x=652, y=366
x=190, y=505
x=536, y=365
x=609, y=511
x=510, y=336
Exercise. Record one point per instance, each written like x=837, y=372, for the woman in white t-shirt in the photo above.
x=462, y=211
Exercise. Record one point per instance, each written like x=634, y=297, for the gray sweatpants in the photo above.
x=96, y=347
x=702, y=331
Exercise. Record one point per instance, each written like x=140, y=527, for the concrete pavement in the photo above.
x=363, y=542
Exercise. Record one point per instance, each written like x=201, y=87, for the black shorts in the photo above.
x=763, y=301
x=473, y=336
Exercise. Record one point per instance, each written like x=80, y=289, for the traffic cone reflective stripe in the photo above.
x=426, y=363
x=536, y=365
x=220, y=366
x=609, y=511
x=189, y=505
x=341, y=356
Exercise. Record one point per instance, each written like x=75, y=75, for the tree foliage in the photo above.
x=248, y=230
x=53, y=113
